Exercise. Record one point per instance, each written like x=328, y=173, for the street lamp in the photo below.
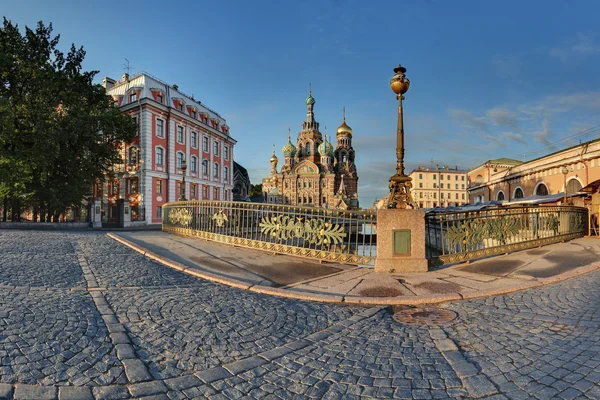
x=399, y=183
x=565, y=171
x=183, y=168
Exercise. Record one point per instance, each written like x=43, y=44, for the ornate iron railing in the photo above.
x=460, y=236
x=328, y=235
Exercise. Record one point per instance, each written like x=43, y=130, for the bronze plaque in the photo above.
x=401, y=242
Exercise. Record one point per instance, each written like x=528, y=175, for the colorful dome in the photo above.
x=310, y=100
x=325, y=148
x=289, y=150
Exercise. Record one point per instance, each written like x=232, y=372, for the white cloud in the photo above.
x=577, y=49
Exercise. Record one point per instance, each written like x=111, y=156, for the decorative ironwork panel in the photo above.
x=322, y=234
x=461, y=236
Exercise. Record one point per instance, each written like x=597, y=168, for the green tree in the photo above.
x=256, y=190
x=59, y=132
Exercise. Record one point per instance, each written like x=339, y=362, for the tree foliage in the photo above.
x=59, y=132
x=256, y=190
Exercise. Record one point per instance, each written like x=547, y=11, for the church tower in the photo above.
x=289, y=151
x=309, y=138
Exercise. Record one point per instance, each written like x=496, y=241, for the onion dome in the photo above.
x=344, y=129
x=289, y=150
x=325, y=148
x=273, y=157
x=310, y=100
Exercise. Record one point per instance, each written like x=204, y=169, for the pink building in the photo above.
x=174, y=129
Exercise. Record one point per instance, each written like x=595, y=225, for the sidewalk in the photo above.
x=299, y=278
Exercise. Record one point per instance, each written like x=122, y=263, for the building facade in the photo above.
x=314, y=172
x=241, y=183
x=183, y=149
x=439, y=187
x=510, y=180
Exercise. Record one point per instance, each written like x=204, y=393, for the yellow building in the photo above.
x=509, y=180
x=439, y=187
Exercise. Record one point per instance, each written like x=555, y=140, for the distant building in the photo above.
x=510, y=180
x=173, y=128
x=241, y=183
x=314, y=173
x=443, y=187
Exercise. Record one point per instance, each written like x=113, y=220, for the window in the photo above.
x=132, y=97
x=434, y=185
x=115, y=187
x=159, y=128
x=194, y=114
x=159, y=98
x=518, y=193
x=205, y=167
x=159, y=156
x=541, y=190
x=194, y=139
x=159, y=212
x=463, y=196
x=133, y=186
x=194, y=186
x=456, y=197
x=420, y=185
x=308, y=149
x=180, y=134
x=216, y=193
x=442, y=195
x=462, y=186
x=441, y=177
x=133, y=152
x=500, y=196
x=180, y=159
x=462, y=178
x=420, y=176
x=216, y=148
x=205, y=192
x=448, y=177
x=456, y=186
x=205, y=144
x=226, y=152
x=159, y=186
x=194, y=166
x=455, y=177
x=573, y=186
x=215, y=170
x=421, y=195
x=180, y=107
x=225, y=174
x=137, y=126
x=435, y=195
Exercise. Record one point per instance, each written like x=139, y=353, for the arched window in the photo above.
x=541, y=190
x=180, y=159
x=500, y=196
x=573, y=186
x=308, y=149
x=133, y=159
x=518, y=193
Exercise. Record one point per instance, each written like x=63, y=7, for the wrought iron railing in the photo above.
x=460, y=236
x=329, y=235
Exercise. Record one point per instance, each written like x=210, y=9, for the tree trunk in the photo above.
x=5, y=209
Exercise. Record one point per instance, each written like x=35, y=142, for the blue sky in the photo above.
x=489, y=79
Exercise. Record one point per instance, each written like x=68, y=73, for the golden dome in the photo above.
x=344, y=129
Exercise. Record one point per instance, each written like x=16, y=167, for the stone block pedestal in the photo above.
x=400, y=241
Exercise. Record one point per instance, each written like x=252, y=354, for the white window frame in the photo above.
x=225, y=174
x=216, y=170
x=194, y=164
x=194, y=139
x=180, y=134
x=180, y=158
x=205, y=144
x=226, y=152
x=216, y=148
x=162, y=156
x=160, y=133
x=205, y=167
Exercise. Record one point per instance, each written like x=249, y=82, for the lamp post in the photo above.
x=183, y=168
x=400, y=184
x=565, y=171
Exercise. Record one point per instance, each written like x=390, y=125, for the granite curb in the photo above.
x=349, y=299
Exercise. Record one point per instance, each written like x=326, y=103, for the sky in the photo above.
x=489, y=79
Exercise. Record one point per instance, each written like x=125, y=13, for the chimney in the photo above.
x=108, y=83
x=175, y=87
x=125, y=78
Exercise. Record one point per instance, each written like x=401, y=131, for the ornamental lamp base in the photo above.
x=400, y=192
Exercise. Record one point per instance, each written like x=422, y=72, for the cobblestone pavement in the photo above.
x=83, y=317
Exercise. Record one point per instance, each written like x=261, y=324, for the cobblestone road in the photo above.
x=83, y=317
